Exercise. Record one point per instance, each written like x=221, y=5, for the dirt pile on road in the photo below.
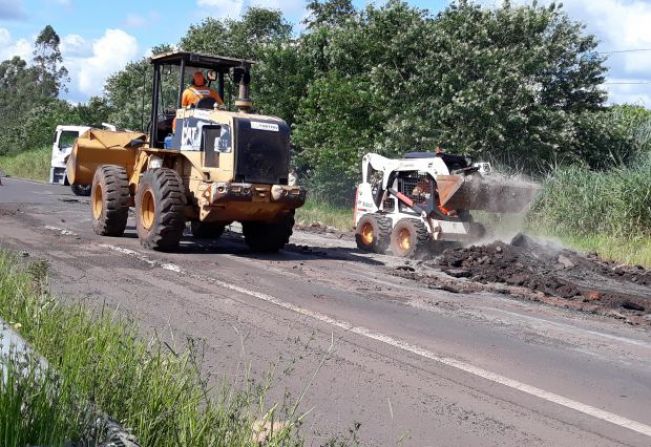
x=554, y=272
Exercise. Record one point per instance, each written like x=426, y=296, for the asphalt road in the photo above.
x=414, y=366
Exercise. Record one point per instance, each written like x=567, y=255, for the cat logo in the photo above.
x=188, y=136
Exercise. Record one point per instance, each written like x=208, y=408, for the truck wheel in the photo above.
x=160, y=200
x=372, y=233
x=110, y=200
x=409, y=238
x=81, y=190
x=266, y=237
x=207, y=230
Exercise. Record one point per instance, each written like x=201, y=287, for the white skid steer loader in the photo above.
x=407, y=205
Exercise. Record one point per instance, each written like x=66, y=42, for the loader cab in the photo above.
x=173, y=74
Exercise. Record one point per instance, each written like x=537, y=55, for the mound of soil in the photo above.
x=552, y=271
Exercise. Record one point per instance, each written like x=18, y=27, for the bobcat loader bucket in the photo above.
x=100, y=147
x=487, y=193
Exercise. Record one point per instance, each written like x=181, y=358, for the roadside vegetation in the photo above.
x=99, y=361
x=31, y=164
x=324, y=214
x=608, y=212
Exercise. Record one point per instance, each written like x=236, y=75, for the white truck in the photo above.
x=64, y=139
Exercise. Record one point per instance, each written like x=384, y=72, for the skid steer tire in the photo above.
x=160, y=200
x=263, y=237
x=109, y=201
x=410, y=239
x=207, y=230
x=373, y=232
x=81, y=190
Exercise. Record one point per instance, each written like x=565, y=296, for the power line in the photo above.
x=628, y=83
x=631, y=50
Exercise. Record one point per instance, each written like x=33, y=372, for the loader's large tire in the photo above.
x=109, y=201
x=373, y=232
x=266, y=237
x=207, y=230
x=81, y=190
x=410, y=239
x=160, y=200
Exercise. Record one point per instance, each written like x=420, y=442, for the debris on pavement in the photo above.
x=541, y=271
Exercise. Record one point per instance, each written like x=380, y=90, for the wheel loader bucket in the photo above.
x=494, y=194
x=100, y=147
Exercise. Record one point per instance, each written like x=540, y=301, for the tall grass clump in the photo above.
x=102, y=362
x=33, y=164
x=579, y=202
x=37, y=408
x=325, y=213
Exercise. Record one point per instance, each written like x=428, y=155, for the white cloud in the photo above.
x=293, y=9
x=222, y=8
x=94, y=62
x=134, y=20
x=74, y=45
x=288, y=7
x=10, y=47
x=619, y=25
x=629, y=91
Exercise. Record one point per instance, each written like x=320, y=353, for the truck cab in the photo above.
x=64, y=139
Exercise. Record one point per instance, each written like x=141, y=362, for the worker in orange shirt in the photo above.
x=198, y=90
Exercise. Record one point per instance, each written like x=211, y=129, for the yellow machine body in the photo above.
x=208, y=176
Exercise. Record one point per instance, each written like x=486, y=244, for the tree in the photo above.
x=50, y=74
x=244, y=38
x=507, y=83
x=329, y=13
x=280, y=73
x=128, y=93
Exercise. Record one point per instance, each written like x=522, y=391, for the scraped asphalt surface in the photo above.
x=415, y=366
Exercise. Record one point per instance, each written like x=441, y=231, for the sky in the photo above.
x=100, y=37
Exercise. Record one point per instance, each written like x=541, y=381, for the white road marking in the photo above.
x=172, y=268
x=417, y=350
x=62, y=231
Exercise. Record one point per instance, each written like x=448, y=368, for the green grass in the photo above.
x=325, y=214
x=607, y=212
x=615, y=203
x=100, y=359
x=625, y=251
x=33, y=164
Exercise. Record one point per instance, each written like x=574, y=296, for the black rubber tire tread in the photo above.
x=115, y=196
x=207, y=230
x=169, y=201
x=420, y=238
x=81, y=190
x=266, y=237
x=381, y=227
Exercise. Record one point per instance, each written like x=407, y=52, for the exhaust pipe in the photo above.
x=242, y=76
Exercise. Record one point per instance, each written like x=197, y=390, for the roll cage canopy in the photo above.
x=199, y=60
x=221, y=64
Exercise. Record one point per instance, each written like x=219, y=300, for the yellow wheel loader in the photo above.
x=201, y=163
